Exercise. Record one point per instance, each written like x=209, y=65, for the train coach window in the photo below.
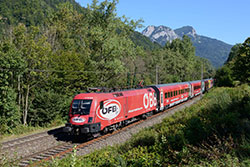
x=179, y=92
x=166, y=95
x=197, y=87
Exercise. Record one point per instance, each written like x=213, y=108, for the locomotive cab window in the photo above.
x=81, y=107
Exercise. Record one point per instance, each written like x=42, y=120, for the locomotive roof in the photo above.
x=111, y=92
x=171, y=84
x=208, y=79
x=146, y=87
x=194, y=81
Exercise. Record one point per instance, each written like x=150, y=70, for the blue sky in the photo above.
x=226, y=20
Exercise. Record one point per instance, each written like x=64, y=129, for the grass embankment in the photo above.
x=213, y=132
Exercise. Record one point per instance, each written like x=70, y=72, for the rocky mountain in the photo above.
x=212, y=49
x=160, y=34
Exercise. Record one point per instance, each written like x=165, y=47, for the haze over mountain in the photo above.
x=212, y=49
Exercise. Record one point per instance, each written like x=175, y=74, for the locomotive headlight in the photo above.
x=78, y=120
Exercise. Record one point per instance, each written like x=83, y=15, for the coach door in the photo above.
x=161, y=102
x=190, y=90
x=202, y=86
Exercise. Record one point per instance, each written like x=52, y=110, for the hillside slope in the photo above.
x=212, y=49
x=31, y=12
x=36, y=12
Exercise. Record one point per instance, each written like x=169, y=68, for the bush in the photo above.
x=47, y=107
x=145, y=137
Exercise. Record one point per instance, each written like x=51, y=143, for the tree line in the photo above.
x=43, y=66
x=236, y=69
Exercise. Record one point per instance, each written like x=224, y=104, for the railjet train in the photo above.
x=95, y=113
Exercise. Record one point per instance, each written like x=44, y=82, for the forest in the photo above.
x=236, y=69
x=46, y=59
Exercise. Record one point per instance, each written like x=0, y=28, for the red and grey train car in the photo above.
x=95, y=112
x=209, y=83
x=196, y=88
x=102, y=112
x=172, y=94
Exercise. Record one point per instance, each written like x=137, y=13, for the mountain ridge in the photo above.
x=212, y=49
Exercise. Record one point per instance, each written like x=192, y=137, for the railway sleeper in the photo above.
x=60, y=149
x=48, y=154
x=34, y=159
x=40, y=157
x=24, y=163
x=55, y=151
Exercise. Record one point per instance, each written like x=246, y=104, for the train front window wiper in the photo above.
x=81, y=107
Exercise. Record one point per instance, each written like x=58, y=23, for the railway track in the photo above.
x=43, y=155
x=30, y=138
x=66, y=148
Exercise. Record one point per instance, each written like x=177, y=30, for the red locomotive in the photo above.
x=91, y=113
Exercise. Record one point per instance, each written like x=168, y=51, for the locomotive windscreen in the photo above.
x=81, y=107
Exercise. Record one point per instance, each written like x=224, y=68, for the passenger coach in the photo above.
x=171, y=94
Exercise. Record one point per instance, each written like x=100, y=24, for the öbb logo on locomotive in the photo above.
x=149, y=100
x=78, y=120
x=111, y=109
